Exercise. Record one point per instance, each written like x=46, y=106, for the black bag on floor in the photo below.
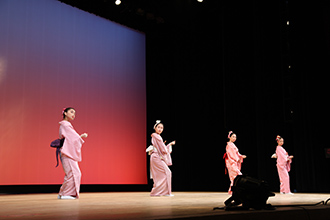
x=250, y=192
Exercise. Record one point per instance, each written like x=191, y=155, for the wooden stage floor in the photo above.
x=139, y=205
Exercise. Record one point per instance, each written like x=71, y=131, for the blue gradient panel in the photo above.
x=54, y=56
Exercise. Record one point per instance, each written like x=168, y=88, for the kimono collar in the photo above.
x=157, y=136
x=65, y=122
x=230, y=143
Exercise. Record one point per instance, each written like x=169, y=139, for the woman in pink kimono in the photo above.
x=70, y=156
x=233, y=159
x=160, y=159
x=283, y=166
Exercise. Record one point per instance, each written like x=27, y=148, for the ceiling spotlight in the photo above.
x=200, y=0
x=117, y=2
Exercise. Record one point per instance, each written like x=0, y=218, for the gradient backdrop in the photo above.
x=54, y=56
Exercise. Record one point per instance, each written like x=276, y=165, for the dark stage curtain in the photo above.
x=226, y=68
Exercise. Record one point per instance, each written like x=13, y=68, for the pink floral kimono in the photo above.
x=233, y=161
x=283, y=168
x=70, y=156
x=160, y=159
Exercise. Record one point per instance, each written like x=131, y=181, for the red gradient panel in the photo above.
x=54, y=56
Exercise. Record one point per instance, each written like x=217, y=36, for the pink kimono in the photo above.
x=161, y=174
x=70, y=156
x=233, y=161
x=283, y=168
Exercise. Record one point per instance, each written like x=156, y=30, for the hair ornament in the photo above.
x=63, y=110
x=157, y=122
x=230, y=132
x=278, y=137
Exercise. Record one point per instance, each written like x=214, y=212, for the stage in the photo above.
x=139, y=205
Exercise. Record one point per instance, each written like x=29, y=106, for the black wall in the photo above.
x=225, y=66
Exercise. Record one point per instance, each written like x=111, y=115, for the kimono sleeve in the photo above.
x=63, y=131
x=73, y=142
x=232, y=154
x=282, y=157
x=160, y=145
